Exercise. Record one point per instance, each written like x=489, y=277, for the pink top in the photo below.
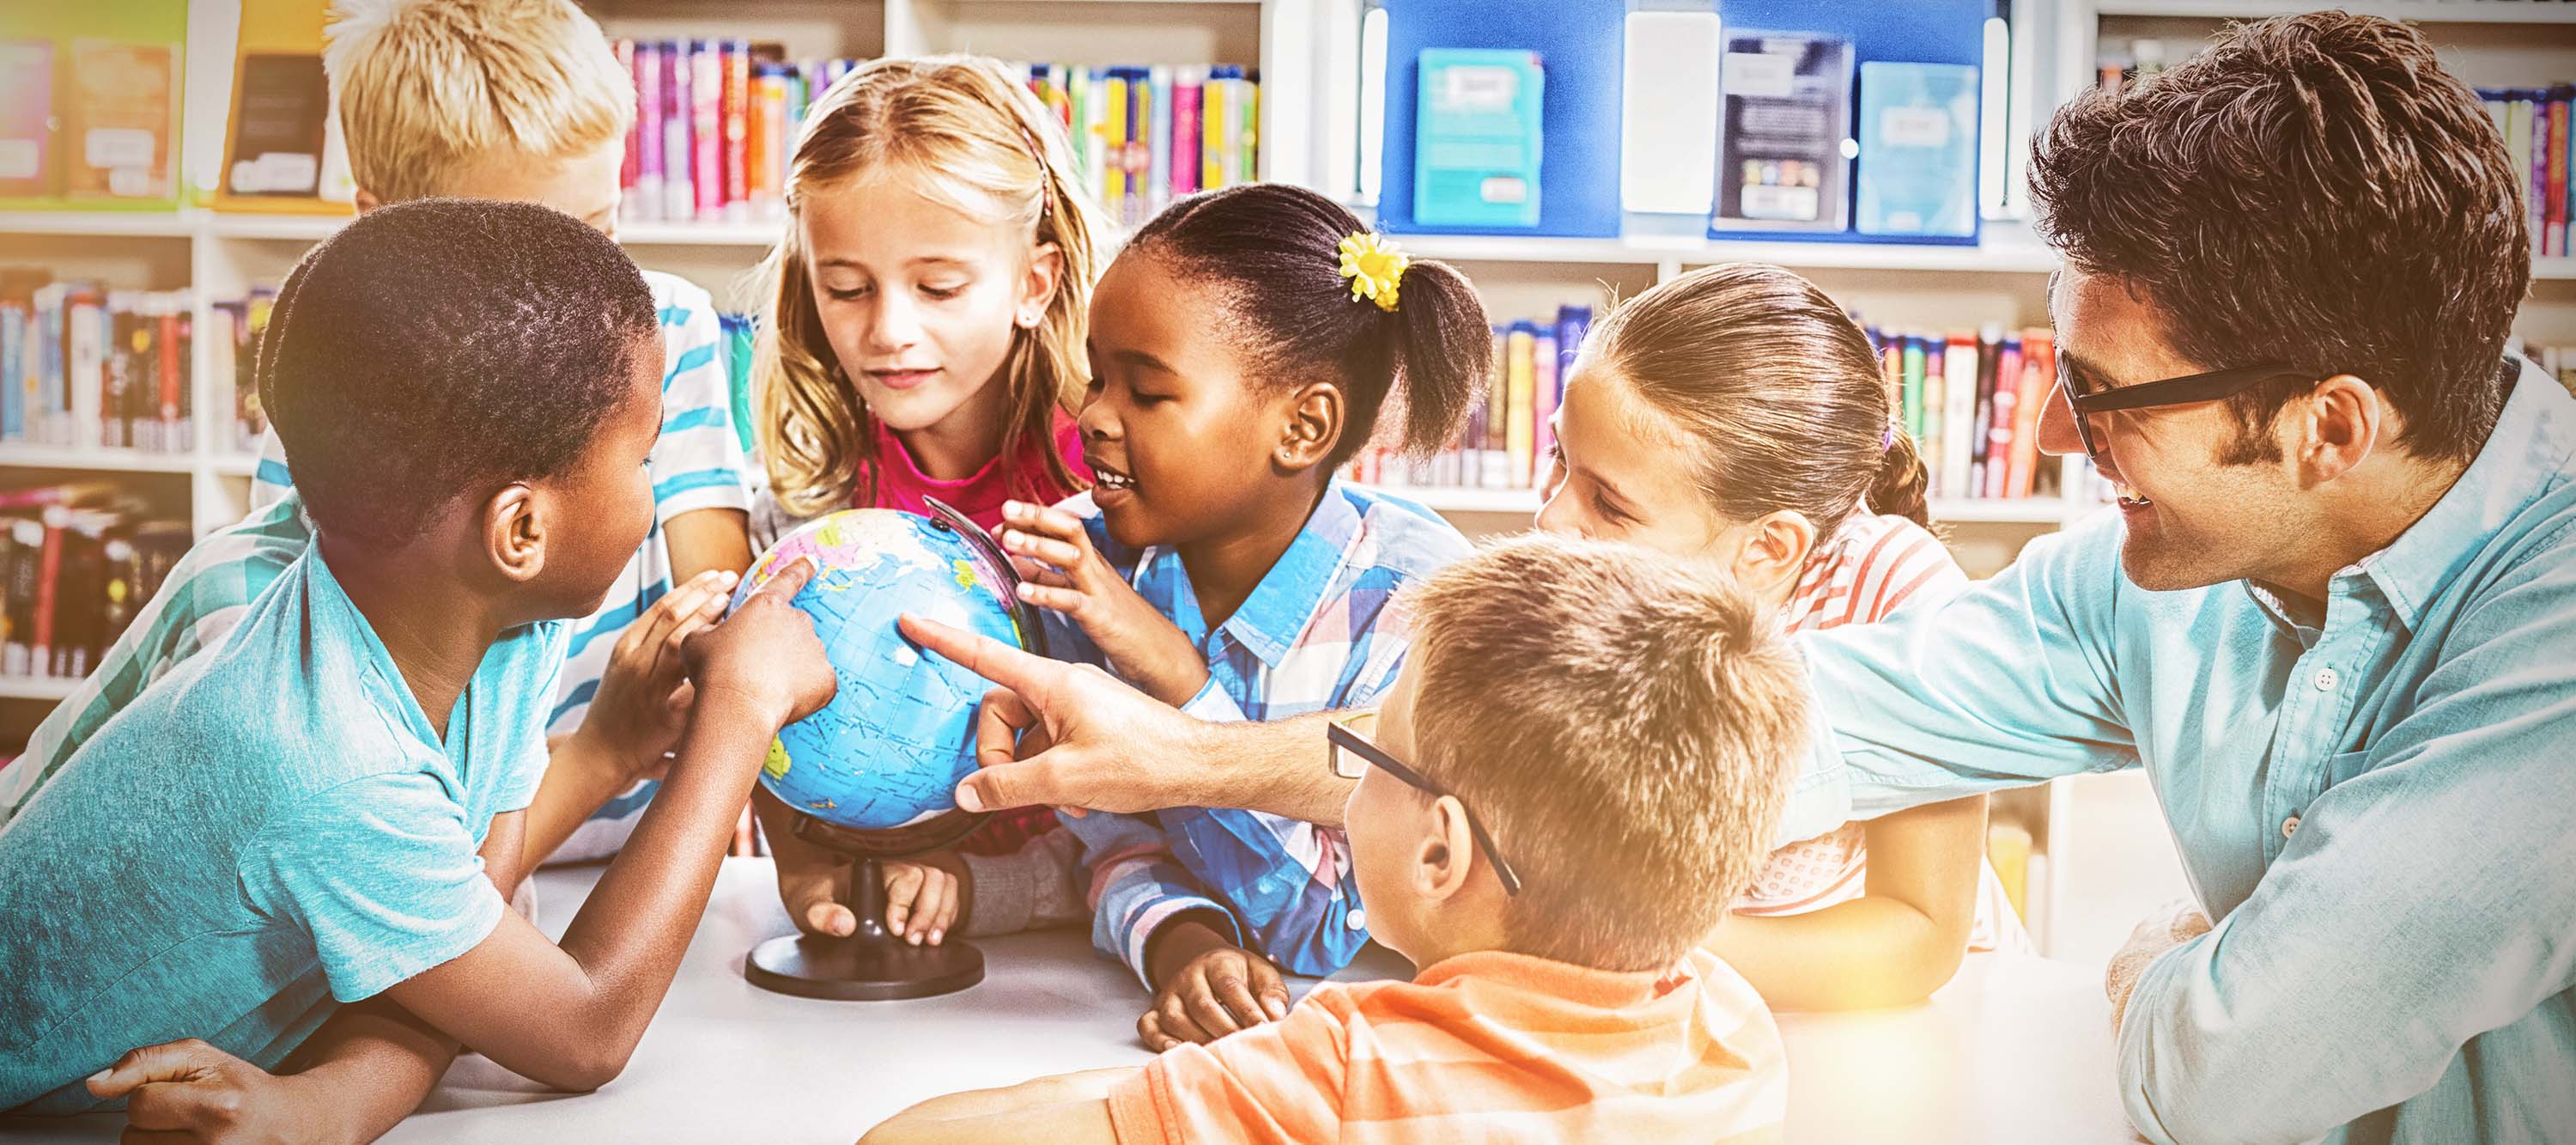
x=902, y=485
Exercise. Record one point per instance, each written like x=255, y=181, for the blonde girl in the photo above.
x=924, y=335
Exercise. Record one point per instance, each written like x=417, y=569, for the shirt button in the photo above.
x=1356, y=920
x=2327, y=679
x=2289, y=826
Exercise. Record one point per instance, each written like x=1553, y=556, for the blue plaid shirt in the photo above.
x=1319, y=633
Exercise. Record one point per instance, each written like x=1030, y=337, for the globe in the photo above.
x=888, y=750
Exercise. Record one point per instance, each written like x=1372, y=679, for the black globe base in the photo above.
x=872, y=965
x=859, y=969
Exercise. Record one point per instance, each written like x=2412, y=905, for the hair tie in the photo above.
x=1375, y=268
x=1887, y=441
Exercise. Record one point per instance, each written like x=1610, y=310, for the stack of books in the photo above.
x=84, y=367
x=1971, y=399
x=1144, y=136
x=715, y=128
x=2537, y=135
x=234, y=393
x=76, y=563
x=1511, y=429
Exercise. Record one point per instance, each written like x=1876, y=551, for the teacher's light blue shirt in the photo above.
x=2380, y=811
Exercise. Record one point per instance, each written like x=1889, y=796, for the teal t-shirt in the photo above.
x=269, y=830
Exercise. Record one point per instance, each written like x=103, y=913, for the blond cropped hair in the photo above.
x=426, y=86
x=965, y=134
x=1624, y=723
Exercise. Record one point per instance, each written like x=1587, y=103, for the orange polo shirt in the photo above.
x=1490, y=1046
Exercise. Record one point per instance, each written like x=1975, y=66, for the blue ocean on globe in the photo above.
x=890, y=747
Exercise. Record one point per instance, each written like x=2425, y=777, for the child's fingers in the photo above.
x=1204, y=1009
x=903, y=883
x=145, y=1065
x=1038, y=547
x=930, y=907
x=1235, y=996
x=1150, y=1028
x=1052, y=597
x=1042, y=519
x=1174, y=1017
x=1270, y=989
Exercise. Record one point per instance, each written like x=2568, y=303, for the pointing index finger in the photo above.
x=1028, y=676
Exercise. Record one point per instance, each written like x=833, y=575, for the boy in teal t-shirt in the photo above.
x=325, y=807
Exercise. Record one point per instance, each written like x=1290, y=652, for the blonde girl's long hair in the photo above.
x=972, y=138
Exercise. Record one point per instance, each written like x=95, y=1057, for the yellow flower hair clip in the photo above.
x=1374, y=267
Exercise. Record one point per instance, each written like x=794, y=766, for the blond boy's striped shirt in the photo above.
x=1487, y=1047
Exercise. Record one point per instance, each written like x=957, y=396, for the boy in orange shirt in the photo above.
x=1546, y=834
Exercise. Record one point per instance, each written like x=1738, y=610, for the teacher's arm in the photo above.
x=1073, y=736
x=2427, y=900
x=2007, y=683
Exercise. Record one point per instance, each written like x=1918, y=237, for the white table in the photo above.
x=2015, y=1049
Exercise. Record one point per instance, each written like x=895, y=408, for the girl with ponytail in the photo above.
x=1244, y=347
x=1736, y=415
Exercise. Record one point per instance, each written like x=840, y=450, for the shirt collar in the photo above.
x=2524, y=457
x=1299, y=584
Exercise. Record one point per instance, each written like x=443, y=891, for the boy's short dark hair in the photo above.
x=2310, y=188
x=1626, y=724
x=444, y=348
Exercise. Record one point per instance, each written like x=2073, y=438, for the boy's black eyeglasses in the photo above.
x=1353, y=754
x=2190, y=389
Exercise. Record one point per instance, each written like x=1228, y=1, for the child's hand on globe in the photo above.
x=643, y=700
x=765, y=654
x=1062, y=572
x=926, y=896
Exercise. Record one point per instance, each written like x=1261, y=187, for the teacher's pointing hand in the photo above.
x=1066, y=735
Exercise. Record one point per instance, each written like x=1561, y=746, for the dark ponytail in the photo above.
x=1272, y=253
x=1901, y=484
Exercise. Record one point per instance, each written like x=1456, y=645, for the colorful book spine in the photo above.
x=1515, y=401
x=2555, y=226
x=735, y=55
x=2003, y=428
x=706, y=131
x=1188, y=116
x=766, y=146
x=679, y=196
x=643, y=201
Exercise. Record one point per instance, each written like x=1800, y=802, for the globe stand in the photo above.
x=873, y=964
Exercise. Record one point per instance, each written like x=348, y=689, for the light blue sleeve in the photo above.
x=270, y=482
x=2006, y=684
x=2425, y=900
x=1134, y=887
x=381, y=871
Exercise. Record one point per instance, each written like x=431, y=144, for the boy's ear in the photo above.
x=366, y=201
x=1446, y=855
x=1037, y=292
x=1313, y=425
x=515, y=533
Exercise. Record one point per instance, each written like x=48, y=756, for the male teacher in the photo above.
x=2334, y=617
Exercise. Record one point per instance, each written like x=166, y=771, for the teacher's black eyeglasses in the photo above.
x=2191, y=389
x=1354, y=753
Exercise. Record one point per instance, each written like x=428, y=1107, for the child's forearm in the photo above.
x=581, y=774
x=704, y=539
x=1870, y=951
x=365, y=1070
x=631, y=931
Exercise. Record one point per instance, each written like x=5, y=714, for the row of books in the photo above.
x=1144, y=136
x=84, y=367
x=1511, y=428
x=233, y=395
x=2539, y=137
x=2557, y=361
x=88, y=118
x=1971, y=400
x=76, y=563
x=715, y=128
